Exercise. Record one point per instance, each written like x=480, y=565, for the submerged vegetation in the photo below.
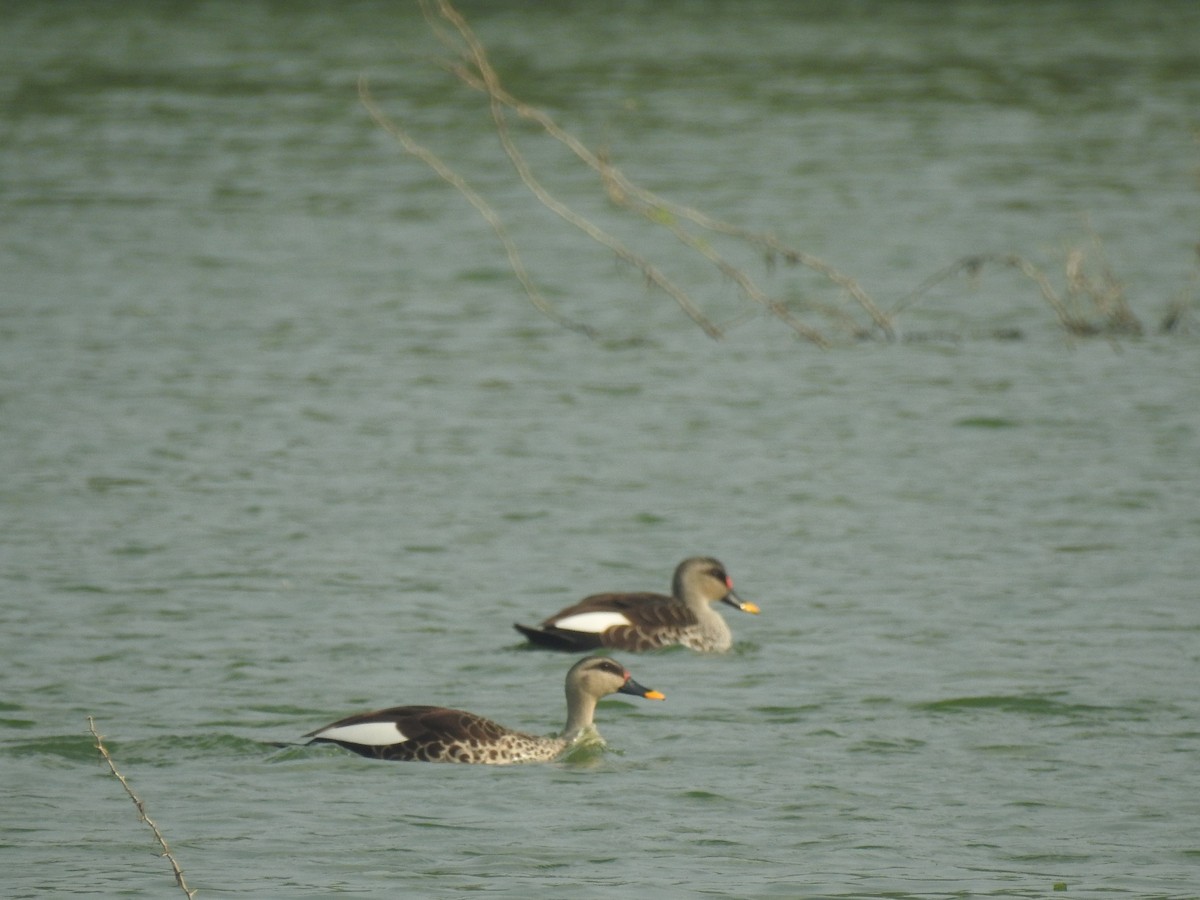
x=1092, y=301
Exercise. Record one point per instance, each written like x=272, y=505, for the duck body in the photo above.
x=648, y=621
x=438, y=734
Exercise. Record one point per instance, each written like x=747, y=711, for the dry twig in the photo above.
x=656, y=209
x=1109, y=313
x=1107, y=296
x=491, y=83
x=473, y=197
x=141, y=808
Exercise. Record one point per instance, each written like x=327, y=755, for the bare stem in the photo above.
x=472, y=66
x=473, y=197
x=491, y=83
x=141, y=808
x=1070, y=322
x=653, y=207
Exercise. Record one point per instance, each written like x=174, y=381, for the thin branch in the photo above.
x=475, y=199
x=491, y=82
x=473, y=67
x=745, y=283
x=972, y=264
x=141, y=808
x=656, y=209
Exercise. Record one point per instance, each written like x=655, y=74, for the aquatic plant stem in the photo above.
x=473, y=197
x=491, y=82
x=141, y=808
x=658, y=210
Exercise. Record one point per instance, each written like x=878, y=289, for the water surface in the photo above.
x=283, y=440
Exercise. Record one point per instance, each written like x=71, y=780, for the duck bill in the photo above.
x=738, y=603
x=638, y=690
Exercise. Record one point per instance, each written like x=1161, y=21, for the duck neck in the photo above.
x=581, y=710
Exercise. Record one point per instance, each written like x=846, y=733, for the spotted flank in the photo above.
x=646, y=621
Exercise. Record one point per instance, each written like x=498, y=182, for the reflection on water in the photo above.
x=283, y=438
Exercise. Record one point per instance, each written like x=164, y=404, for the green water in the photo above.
x=283, y=440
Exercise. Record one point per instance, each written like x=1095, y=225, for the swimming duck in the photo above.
x=437, y=734
x=645, y=621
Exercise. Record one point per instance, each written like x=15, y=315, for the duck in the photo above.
x=646, y=621
x=438, y=734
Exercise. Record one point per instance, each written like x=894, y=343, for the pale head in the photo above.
x=702, y=580
x=592, y=678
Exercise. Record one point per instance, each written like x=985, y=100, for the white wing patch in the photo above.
x=592, y=622
x=370, y=734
